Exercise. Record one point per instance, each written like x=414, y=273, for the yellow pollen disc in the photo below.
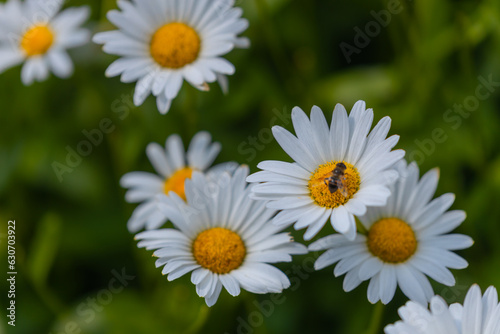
x=175, y=182
x=37, y=40
x=392, y=240
x=175, y=45
x=219, y=250
x=319, y=191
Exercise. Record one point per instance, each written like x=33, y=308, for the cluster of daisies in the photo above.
x=226, y=227
x=161, y=43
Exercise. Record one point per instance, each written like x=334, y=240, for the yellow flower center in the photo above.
x=324, y=180
x=175, y=45
x=176, y=181
x=219, y=250
x=392, y=240
x=37, y=40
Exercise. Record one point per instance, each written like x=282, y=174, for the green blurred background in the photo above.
x=72, y=236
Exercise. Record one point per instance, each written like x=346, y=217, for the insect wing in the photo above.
x=342, y=187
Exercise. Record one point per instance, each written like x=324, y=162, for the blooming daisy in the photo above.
x=311, y=190
x=34, y=32
x=404, y=241
x=163, y=42
x=224, y=238
x=173, y=166
x=478, y=315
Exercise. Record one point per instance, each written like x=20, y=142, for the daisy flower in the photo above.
x=404, y=241
x=223, y=237
x=478, y=315
x=34, y=32
x=173, y=166
x=163, y=42
x=311, y=190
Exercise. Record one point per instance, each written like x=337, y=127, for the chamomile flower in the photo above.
x=223, y=237
x=478, y=315
x=338, y=170
x=164, y=42
x=34, y=32
x=173, y=166
x=406, y=240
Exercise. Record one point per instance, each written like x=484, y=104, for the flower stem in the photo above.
x=200, y=320
x=190, y=111
x=376, y=320
x=360, y=227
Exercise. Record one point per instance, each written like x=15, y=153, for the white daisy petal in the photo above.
x=71, y=18
x=294, y=148
x=444, y=224
x=60, y=63
x=348, y=263
x=370, y=268
x=74, y=39
x=473, y=311
x=9, y=58
x=358, y=137
x=212, y=299
x=307, y=218
x=339, y=133
x=410, y=285
x=158, y=159
x=289, y=202
x=451, y=241
x=285, y=168
x=342, y=219
x=435, y=271
x=351, y=280
x=374, y=289
x=321, y=132
x=175, y=149
x=388, y=283
x=317, y=225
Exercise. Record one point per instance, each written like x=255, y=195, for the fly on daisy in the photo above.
x=38, y=35
x=174, y=165
x=478, y=315
x=223, y=237
x=164, y=42
x=405, y=240
x=338, y=170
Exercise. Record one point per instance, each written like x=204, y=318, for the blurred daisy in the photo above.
x=338, y=171
x=173, y=166
x=163, y=42
x=405, y=240
x=478, y=315
x=224, y=238
x=34, y=32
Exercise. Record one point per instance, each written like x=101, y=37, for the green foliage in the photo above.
x=72, y=234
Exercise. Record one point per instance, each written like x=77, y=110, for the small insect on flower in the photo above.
x=336, y=180
x=405, y=240
x=339, y=170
